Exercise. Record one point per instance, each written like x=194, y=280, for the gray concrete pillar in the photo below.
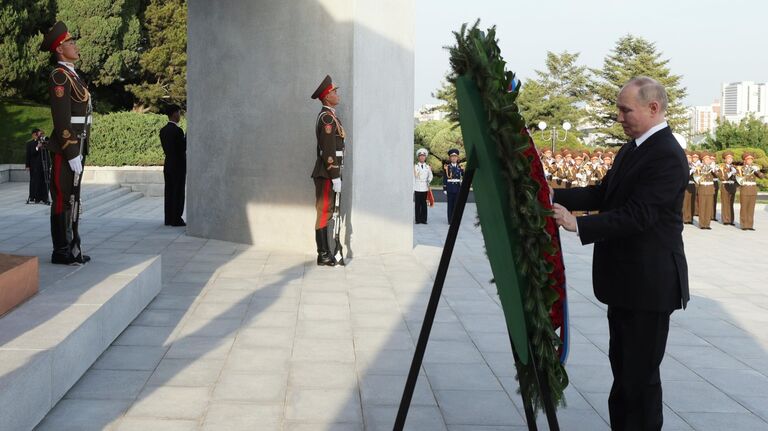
x=252, y=65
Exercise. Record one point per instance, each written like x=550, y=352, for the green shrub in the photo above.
x=19, y=118
x=127, y=139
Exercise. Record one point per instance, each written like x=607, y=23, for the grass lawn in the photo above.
x=19, y=118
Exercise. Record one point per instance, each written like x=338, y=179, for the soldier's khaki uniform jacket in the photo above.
x=330, y=145
x=70, y=105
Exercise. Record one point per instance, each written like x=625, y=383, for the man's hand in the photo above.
x=564, y=218
x=76, y=164
x=336, y=185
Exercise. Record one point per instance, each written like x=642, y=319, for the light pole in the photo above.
x=554, y=134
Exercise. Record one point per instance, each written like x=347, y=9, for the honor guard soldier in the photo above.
x=689, y=197
x=71, y=110
x=747, y=176
x=422, y=177
x=452, y=180
x=327, y=172
x=726, y=172
x=706, y=191
x=696, y=161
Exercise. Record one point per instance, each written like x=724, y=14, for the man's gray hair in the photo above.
x=649, y=90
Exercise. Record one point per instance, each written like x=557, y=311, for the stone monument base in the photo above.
x=19, y=280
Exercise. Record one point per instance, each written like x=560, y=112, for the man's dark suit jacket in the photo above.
x=175, y=147
x=639, y=262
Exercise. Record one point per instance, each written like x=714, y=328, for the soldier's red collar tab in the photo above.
x=59, y=40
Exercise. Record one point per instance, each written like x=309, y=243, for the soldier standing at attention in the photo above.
x=71, y=110
x=726, y=172
x=452, y=179
x=748, y=175
x=706, y=191
x=327, y=172
x=422, y=176
x=689, y=197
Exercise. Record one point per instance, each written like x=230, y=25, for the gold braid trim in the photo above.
x=78, y=92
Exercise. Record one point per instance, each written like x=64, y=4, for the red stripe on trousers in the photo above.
x=59, y=204
x=326, y=203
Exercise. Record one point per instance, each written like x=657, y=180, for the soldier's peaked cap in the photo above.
x=324, y=88
x=453, y=151
x=57, y=35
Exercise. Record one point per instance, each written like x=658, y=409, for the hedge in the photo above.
x=127, y=139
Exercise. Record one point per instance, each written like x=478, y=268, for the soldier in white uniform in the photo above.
x=422, y=176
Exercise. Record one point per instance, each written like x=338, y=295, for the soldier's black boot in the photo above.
x=324, y=257
x=61, y=251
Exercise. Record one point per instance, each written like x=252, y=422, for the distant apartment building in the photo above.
x=429, y=112
x=702, y=119
x=740, y=99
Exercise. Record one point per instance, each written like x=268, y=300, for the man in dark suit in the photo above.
x=639, y=268
x=34, y=163
x=175, y=166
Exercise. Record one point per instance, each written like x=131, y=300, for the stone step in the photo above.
x=91, y=202
x=125, y=197
x=49, y=342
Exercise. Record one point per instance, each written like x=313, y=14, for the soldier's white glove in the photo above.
x=76, y=164
x=336, y=185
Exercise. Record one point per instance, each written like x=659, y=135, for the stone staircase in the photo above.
x=101, y=199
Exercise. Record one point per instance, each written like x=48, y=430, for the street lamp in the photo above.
x=554, y=134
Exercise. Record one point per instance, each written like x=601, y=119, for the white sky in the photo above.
x=708, y=42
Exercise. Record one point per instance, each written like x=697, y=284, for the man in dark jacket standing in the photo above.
x=36, y=153
x=175, y=166
x=639, y=268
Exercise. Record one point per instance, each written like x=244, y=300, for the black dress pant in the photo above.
x=451, y=203
x=638, y=341
x=420, y=206
x=175, y=181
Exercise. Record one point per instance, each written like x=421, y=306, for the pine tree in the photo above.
x=108, y=34
x=23, y=67
x=632, y=56
x=164, y=63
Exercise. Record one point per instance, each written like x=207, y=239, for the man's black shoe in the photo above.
x=83, y=258
x=179, y=223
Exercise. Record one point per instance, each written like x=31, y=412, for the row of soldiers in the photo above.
x=566, y=169
x=707, y=178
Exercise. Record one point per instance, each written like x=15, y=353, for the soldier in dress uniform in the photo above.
x=747, y=176
x=726, y=172
x=556, y=169
x=452, y=179
x=71, y=110
x=696, y=160
x=706, y=190
x=422, y=177
x=327, y=172
x=689, y=197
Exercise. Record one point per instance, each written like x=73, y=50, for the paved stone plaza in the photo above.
x=247, y=339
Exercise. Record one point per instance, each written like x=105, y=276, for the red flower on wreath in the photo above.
x=557, y=276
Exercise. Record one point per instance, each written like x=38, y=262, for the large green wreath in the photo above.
x=477, y=56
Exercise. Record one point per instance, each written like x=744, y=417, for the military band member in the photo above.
x=327, y=172
x=726, y=172
x=547, y=162
x=71, y=110
x=747, y=177
x=452, y=178
x=595, y=169
x=706, y=190
x=696, y=164
x=556, y=170
x=422, y=177
x=689, y=197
